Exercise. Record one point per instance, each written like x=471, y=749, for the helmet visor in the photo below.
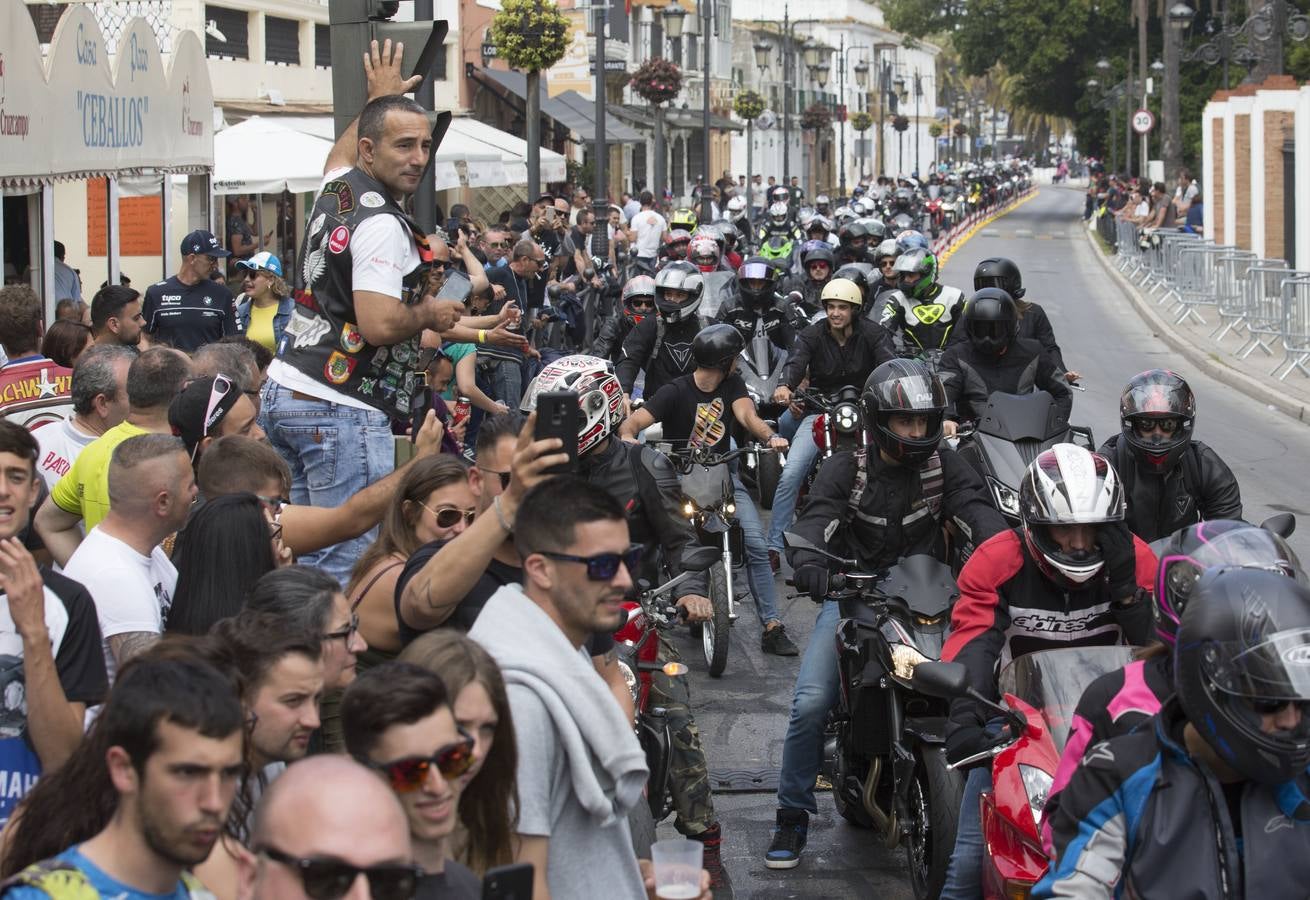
x=910, y=393
x=1274, y=672
x=755, y=271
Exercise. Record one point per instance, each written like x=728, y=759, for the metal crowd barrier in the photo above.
x=1264, y=308
x=1234, y=273
x=1296, y=326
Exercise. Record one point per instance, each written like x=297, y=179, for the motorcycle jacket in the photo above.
x=610, y=336
x=791, y=231
x=832, y=366
x=777, y=323
x=924, y=324
x=971, y=377
x=845, y=254
x=1007, y=608
x=661, y=350
x=1199, y=488
x=809, y=289
x=642, y=479
x=899, y=512
x=1142, y=817
x=1034, y=325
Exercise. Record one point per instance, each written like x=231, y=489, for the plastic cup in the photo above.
x=677, y=868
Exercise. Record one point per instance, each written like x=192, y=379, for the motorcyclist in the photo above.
x=925, y=312
x=758, y=300
x=661, y=344
x=644, y=482
x=1000, y=272
x=819, y=228
x=778, y=223
x=868, y=505
x=823, y=205
x=994, y=358
x=700, y=409
x=683, y=218
x=675, y=248
x=1171, y=480
x=884, y=258
x=817, y=264
x=738, y=213
x=638, y=302
x=729, y=240
x=852, y=243
x=703, y=253
x=1208, y=799
x=841, y=350
x=1071, y=574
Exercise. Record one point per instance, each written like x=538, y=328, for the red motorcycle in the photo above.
x=1040, y=692
x=933, y=209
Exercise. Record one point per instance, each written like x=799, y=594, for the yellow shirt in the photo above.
x=261, y=325
x=84, y=491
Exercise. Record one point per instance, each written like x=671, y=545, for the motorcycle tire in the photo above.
x=767, y=476
x=642, y=825
x=715, y=632
x=934, y=801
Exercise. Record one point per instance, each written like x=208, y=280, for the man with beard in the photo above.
x=116, y=316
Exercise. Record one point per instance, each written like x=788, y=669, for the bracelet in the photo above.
x=482, y=335
x=500, y=516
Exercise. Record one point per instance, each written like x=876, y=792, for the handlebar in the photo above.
x=690, y=456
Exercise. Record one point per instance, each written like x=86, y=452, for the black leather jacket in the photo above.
x=611, y=335
x=809, y=289
x=777, y=323
x=832, y=366
x=643, y=480
x=1200, y=487
x=663, y=351
x=970, y=377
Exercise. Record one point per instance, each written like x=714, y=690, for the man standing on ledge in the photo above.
x=348, y=363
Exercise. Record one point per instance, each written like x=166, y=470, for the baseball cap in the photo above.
x=196, y=412
x=262, y=260
x=203, y=242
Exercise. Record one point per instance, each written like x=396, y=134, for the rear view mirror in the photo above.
x=701, y=559
x=1281, y=524
x=946, y=680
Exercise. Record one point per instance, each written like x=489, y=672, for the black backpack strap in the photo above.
x=932, y=478
x=861, y=481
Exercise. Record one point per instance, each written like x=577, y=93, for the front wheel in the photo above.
x=714, y=633
x=934, y=802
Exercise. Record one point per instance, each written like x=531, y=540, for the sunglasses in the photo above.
x=1267, y=707
x=331, y=879
x=498, y=245
x=345, y=634
x=213, y=410
x=642, y=304
x=1146, y=426
x=504, y=476
x=602, y=566
x=449, y=516
x=409, y=774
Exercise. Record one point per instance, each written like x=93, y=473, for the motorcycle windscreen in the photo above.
x=924, y=583
x=1016, y=417
x=720, y=289
x=1053, y=681
x=707, y=486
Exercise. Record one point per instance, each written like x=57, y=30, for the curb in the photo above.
x=1202, y=358
x=974, y=228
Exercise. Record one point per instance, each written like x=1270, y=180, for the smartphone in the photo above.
x=512, y=882
x=457, y=286
x=558, y=416
x=418, y=409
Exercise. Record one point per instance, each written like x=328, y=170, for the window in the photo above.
x=281, y=40
x=234, y=25
x=323, y=46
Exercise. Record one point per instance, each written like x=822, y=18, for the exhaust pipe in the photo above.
x=883, y=821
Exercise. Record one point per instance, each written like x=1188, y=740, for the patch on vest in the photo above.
x=338, y=367
x=339, y=239
x=351, y=340
x=306, y=329
x=344, y=194
x=372, y=200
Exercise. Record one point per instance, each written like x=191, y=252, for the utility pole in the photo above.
x=786, y=94
x=918, y=92
x=707, y=38
x=841, y=127
x=600, y=186
x=1142, y=16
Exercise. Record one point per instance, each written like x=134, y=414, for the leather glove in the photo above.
x=1120, y=559
x=813, y=580
x=964, y=739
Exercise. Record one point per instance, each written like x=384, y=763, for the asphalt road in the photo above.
x=743, y=716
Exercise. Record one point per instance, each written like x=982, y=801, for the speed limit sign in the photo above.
x=1143, y=121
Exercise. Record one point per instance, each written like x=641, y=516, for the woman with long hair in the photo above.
x=228, y=544
x=433, y=503
x=488, y=806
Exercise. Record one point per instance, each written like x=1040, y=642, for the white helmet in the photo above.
x=736, y=204
x=600, y=396
x=1068, y=485
x=778, y=213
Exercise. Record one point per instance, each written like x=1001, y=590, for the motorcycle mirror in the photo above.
x=1281, y=524
x=792, y=539
x=701, y=559
x=946, y=680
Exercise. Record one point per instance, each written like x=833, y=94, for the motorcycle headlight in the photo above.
x=846, y=418
x=689, y=509
x=1037, y=784
x=1006, y=498
x=730, y=508
x=630, y=679
x=904, y=659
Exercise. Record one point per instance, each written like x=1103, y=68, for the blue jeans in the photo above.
x=758, y=571
x=816, y=693
x=507, y=383
x=334, y=452
x=800, y=459
x=964, y=875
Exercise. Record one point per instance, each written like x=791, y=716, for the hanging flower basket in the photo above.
x=935, y=130
x=657, y=80
x=817, y=116
x=530, y=35
x=901, y=123
x=748, y=105
x=861, y=121
x=961, y=130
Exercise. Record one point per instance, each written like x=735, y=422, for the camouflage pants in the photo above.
x=689, y=777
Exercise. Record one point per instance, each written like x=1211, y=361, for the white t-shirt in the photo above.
x=60, y=443
x=650, y=227
x=382, y=254
x=131, y=592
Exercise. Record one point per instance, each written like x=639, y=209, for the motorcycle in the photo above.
x=1007, y=436
x=934, y=210
x=638, y=651
x=1040, y=692
x=840, y=424
x=761, y=366
x=885, y=748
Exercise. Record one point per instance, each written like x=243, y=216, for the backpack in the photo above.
x=931, y=478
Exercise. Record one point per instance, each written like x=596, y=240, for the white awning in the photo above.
x=512, y=150
x=264, y=156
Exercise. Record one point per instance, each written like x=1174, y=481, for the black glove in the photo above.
x=964, y=739
x=1120, y=559
x=813, y=580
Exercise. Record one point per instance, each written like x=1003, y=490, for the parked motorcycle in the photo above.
x=1040, y=692
x=885, y=751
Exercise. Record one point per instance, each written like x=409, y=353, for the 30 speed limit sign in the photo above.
x=1143, y=121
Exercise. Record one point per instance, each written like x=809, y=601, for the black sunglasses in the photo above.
x=504, y=477
x=1267, y=707
x=602, y=566
x=331, y=879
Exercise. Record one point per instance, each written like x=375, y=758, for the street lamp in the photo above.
x=707, y=37
x=810, y=54
x=883, y=92
x=820, y=74
x=861, y=75
x=762, y=52
x=673, y=18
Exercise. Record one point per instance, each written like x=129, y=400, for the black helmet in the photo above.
x=851, y=232
x=755, y=296
x=999, y=272
x=991, y=321
x=716, y=346
x=1206, y=545
x=877, y=229
x=1159, y=395
x=817, y=251
x=1243, y=653
x=904, y=386
x=678, y=275
x=860, y=273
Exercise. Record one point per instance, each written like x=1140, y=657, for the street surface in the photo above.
x=743, y=716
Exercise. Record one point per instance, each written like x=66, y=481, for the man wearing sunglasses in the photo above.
x=1171, y=481
x=638, y=303
x=397, y=721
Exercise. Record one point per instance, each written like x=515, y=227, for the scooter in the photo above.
x=885, y=751
x=1040, y=692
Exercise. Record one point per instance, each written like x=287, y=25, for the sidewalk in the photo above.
x=1251, y=376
